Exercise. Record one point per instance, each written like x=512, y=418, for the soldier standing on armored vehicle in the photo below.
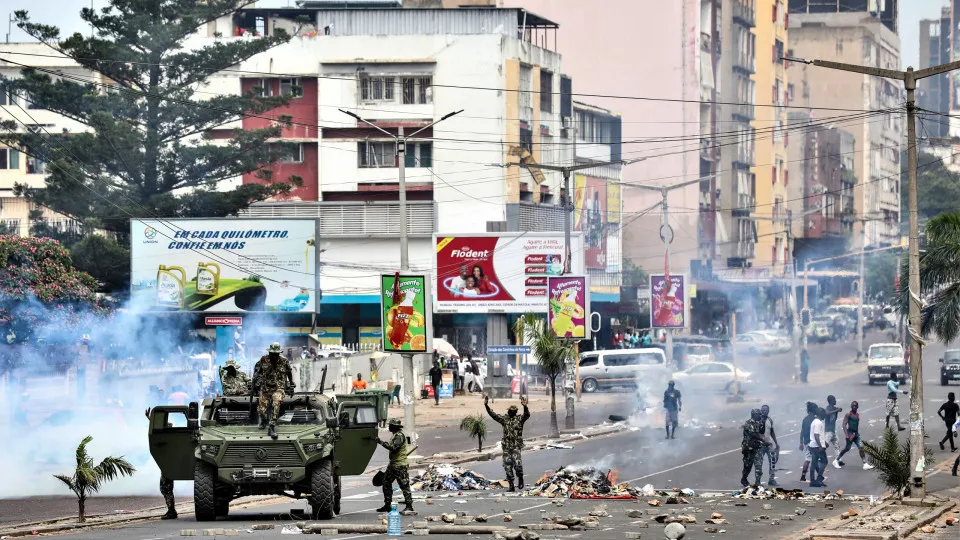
x=397, y=468
x=234, y=381
x=272, y=376
x=512, y=442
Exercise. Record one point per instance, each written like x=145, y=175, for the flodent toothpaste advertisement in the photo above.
x=224, y=265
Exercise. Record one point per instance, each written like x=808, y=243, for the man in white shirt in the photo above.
x=460, y=281
x=818, y=449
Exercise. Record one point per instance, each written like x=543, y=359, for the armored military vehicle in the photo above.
x=219, y=446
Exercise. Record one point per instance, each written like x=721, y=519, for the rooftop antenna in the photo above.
x=9, y=27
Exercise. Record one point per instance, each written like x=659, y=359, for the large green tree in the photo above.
x=938, y=188
x=939, y=279
x=146, y=152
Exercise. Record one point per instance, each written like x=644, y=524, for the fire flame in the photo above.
x=612, y=476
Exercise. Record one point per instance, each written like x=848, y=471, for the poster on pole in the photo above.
x=224, y=265
x=403, y=308
x=569, y=306
x=669, y=307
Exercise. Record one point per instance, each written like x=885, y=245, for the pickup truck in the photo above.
x=884, y=359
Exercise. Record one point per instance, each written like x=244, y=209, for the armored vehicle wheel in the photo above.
x=323, y=499
x=204, y=492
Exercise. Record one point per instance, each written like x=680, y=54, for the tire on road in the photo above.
x=589, y=386
x=322, y=490
x=204, y=491
x=223, y=507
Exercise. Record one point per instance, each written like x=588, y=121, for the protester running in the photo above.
x=948, y=413
x=805, y=438
x=851, y=431
x=893, y=388
x=830, y=423
x=818, y=449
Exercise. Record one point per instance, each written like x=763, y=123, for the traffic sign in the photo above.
x=507, y=349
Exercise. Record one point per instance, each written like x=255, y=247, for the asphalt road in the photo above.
x=704, y=457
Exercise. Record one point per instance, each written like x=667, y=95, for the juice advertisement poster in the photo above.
x=403, y=302
x=668, y=301
x=569, y=306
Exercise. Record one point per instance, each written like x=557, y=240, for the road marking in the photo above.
x=359, y=496
x=694, y=462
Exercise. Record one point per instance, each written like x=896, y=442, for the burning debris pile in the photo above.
x=444, y=477
x=762, y=493
x=581, y=483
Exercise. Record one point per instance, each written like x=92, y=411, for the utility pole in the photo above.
x=568, y=209
x=409, y=413
x=909, y=78
x=666, y=236
x=863, y=247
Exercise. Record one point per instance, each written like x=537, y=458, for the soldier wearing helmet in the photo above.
x=750, y=447
x=397, y=467
x=234, y=381
x=272, y=376
x=512, y=442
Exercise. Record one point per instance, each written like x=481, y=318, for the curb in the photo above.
x=909, y=528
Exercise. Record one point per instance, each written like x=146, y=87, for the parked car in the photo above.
x=821, y=329
x=697, y=353
x=950, y=367
x=755, y=344
x=713, y=377
x=623, y=367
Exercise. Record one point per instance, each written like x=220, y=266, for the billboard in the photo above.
x=224, y=265
x=499, y=272
x=370, y=335
x=403, y=308
x=669, y=307
x=569, y=306
x=596, y=214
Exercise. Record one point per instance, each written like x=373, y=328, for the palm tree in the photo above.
x=552, y=355
x=476, y=427
x=939, y=276
x=89, y=478
x=892, y=461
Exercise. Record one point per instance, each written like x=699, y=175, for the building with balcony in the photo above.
x=16, y=167
x=736, y=180
x=770, y=168
x=878, y=137
x=885, y=11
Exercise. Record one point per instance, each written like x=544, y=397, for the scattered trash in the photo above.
x=764, y=493
x=559, y=446
x=291, y=529
x=928, y=529
x=600, y=511
x=654, y=502
x=444, y=477
x=648, y=490
x=460, y=501
x=581, y=483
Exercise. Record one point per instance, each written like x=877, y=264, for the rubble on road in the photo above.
x=765, y=493
x=446, y=477
x=581, y=483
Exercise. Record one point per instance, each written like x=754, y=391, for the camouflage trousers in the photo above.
x=166, y=489
x=772, y=456
x=400, y=475
x=752, y=459
x=267, y=397
x=512, y=461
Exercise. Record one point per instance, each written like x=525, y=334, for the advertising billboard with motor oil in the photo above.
x=500, y=272
x=224, y=265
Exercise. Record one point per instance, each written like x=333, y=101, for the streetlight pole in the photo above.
x=909, y=78
x=409, y=413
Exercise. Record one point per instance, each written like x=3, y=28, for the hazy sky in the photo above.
x=65, y=14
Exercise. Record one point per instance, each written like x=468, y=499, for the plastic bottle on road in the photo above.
x=394, y=527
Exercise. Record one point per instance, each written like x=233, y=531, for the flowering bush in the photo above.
x=41, y=293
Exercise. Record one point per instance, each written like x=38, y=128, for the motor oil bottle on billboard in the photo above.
x=170, y=288
x=208, y=278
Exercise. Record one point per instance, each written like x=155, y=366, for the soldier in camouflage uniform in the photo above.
x=512, y=442
x=272, y=376
x=234, y=381
x=396, y=468
x=753, y=440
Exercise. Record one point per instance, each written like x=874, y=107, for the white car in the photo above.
x=784, y=343
x=755, y=344
x=712, y=377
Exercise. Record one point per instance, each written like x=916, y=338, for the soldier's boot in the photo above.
x=408, y=506
x=272, y=431
x=171, y=514
x=511, y=488
x=520, y=478
x=385, y=507
x=744, y=482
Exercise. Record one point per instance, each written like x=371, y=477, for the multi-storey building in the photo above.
x=885, y=11
x=735, y=180
x=857, y=38
x=407, y=68
x=770, y=170
x=16, y=167
x=933, y=93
